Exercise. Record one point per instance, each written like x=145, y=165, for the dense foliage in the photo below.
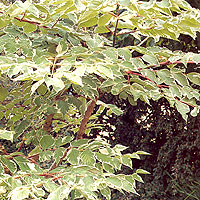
x=59, y=60
x=173, y=143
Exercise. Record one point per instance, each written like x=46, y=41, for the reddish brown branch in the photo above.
x=55, y=165
x=113, y=14
x=175, y=62
x=110, y=30
x=85, y=120
x=30, y=22
x=137, y=74
x=115, y=33
x=184, y=102
x=21, y=145
x=55, y=23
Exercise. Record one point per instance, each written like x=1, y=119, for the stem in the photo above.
x=110, y=30
x=115, y=32
x=30, y=22
x=55, y=22
x=55, y=165
x=21, y=145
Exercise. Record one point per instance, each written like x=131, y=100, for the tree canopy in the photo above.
x=58, y=60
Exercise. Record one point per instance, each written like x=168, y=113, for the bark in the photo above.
x=85, y=120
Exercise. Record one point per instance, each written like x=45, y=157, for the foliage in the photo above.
x=59, y=59
x=173, y=144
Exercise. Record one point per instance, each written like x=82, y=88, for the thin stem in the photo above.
x=55, y=165
x=143, y=41
x=115, y=32
x=110, y=30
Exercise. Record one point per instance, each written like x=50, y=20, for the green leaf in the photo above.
x=115, y=109
x=42, y=89
x=137, y=177
x=1, y=115
x=78, y=143
x=125, y=53
x=73, y=156
x=59, y=193
x=108, y=168
x=103, y=158
x=19, y=129
x=105, y=71
x=9, y=164
x=127, y=186
x=73, y=78
x=111, y=54
x=164, y=4
x=142, y=171
x=35, y=86
x=195, y=111
x=183, y=109
x=28, y=28
x=91, y=22
x=45, y=156
x=22, y=162
x=181, y=79
x=119, y=148
x=6, y=135
x=63, y=106
x=3, y=93
x=151, y=59
x=106, y=192
x=126, y=160
x=46, y=141
x=1, y=170
x=20, y=193
x=89, y=183
x=142, y=153
x=58, y=153
x=51, y=110
x=87, y=158
x=104, y=19
x=114, y=181
x=101, y=29
x=194, y=77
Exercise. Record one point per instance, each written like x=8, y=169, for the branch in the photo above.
x=85, y=120
x=160, y=86
x=30, y=22
x=175, y=62
x=110, y=30
x=55, y=22
x=21, y=145
x=48, y=122
x=55, y=165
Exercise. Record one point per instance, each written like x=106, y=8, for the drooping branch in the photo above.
x=160, y=86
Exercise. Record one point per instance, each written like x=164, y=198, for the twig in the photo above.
x=110, y=30
x=56, y=22
x=55, y=165
x=143, y=41
x=30, y=22
x=21, y=145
